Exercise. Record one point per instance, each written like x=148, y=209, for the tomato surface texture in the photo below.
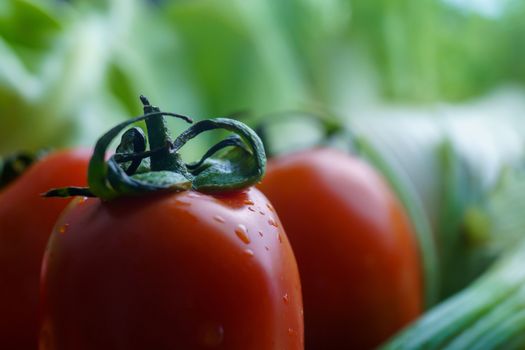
x=354, y=245
x=26, y=222
x=171, y=271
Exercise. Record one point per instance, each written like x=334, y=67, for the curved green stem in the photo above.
x=231, y=141
x=233, y=163
x=330, y=125
x=235, y=169
x=98, y=171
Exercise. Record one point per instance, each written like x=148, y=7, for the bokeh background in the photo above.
x=70, y=69
x=431, y=91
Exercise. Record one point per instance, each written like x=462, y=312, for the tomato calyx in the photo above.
x=236, y=162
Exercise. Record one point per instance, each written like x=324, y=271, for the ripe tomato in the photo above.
x=26, y=221
x=358, y=261
x=171, y=271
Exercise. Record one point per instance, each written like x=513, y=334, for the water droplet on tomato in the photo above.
x=261, y=234
x=219, y=218
x=272, y=222
x=248, y=252
x=211, y=335
x=266, y=247
x=286, y=299
x=193, y=195
x=249, y=202
x=62, y=229
x=290, y=331
x=242, y=232
x=262, y=212
x=280, y=238
x=269, y=206
x=251, y=209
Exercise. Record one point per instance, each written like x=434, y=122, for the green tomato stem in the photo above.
x=234, y=163
x=158, y=137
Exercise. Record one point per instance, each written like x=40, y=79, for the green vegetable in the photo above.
x=456, y=167
x=490, y=313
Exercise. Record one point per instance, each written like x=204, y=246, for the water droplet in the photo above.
x=251, y=209
x=193, y=195
x=266, y=247
x=262, y=212
x=272, y=222
x=261, y=234
x=290, y=331
x=269, y=206
x=82, y=200
x=249, y=202
x=286, y=299
x=242, y=232
x=280, y=238
x=248, y=252
x=62, y=229
x=218, y=218
x=211, y=335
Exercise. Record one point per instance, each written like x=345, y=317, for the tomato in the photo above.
x=171, y=271
x=355, y=248
x=26, y=221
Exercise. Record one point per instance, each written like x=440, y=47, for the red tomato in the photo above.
x=171, y=271
x=26, y=221
x=358, y=261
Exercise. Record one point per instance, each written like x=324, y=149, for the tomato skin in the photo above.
x=357, y=258
x=169, y=271
x=26, y=221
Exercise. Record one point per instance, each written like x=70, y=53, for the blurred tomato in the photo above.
x=357, y=258
x=26, y=221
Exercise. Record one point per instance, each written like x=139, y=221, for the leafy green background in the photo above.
x=70, y=69
x=431, y=89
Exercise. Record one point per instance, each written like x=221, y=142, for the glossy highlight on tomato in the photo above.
x=26, y=222
x=354, y=245
x=171, y=271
